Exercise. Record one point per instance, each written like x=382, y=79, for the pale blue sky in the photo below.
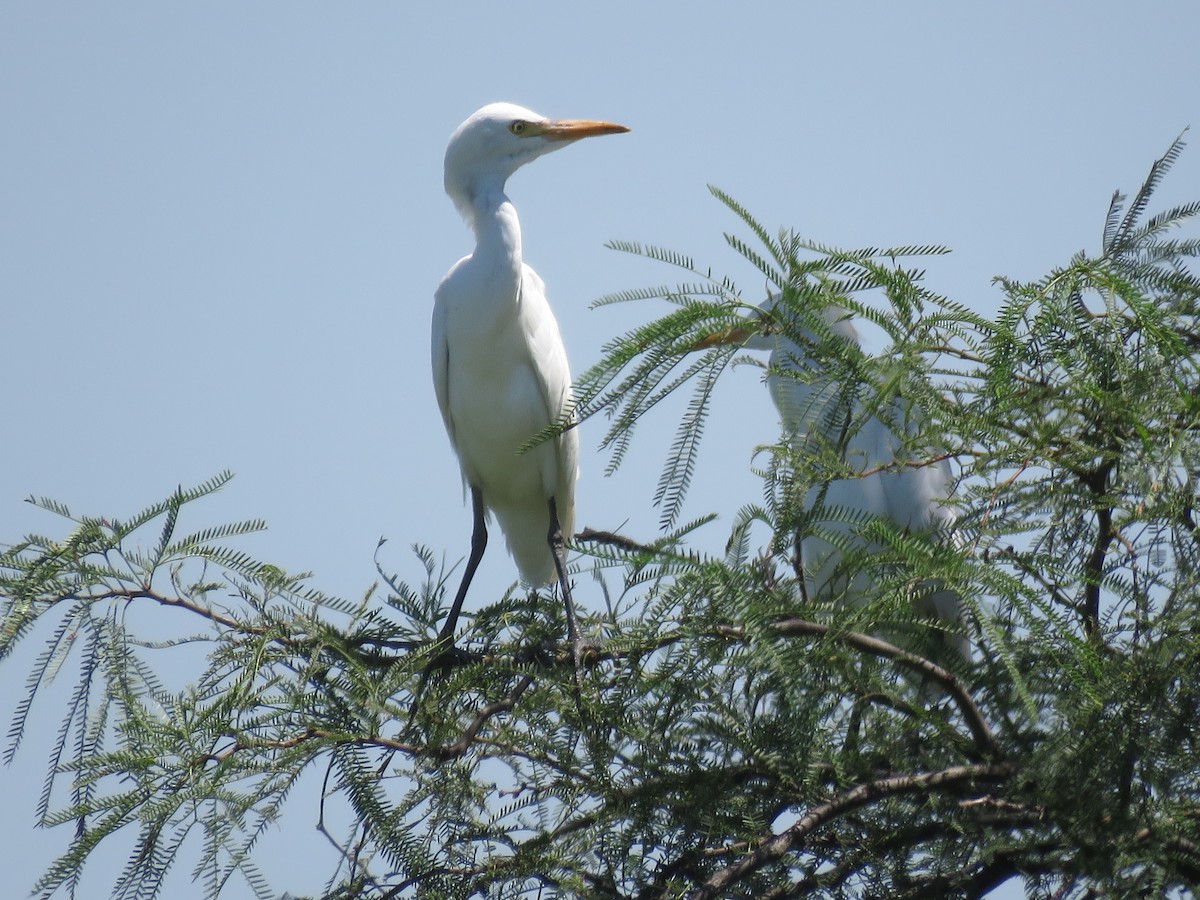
x=221, y=225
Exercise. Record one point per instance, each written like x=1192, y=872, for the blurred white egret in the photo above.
x=499, y=366
x=816, y=409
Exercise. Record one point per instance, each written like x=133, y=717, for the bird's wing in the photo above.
x=917, y=494
x=554, y=378
x=545, y=345
x=440, y=356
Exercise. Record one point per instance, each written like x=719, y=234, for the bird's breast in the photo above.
x=497, y=396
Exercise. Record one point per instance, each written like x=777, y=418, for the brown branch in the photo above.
x=776, y=846
x=1186, y=853
x=948, y=681
x=972, y=714
x=837, y=875
x=984, y=876
x=1093, y=569
x=611, y=539
x=460, y=746
x=300, y=643
x=308, y=734
x=901, y=464
x=202, y=611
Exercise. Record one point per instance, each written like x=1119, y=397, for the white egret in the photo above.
x=499, y=366
x=817, y=410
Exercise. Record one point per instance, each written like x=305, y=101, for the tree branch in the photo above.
x=972, y=714
x=776, y=846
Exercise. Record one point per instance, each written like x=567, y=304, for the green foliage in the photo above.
x=734, y=736
x=640, y=369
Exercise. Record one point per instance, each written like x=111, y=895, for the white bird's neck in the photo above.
x=498, y=231
x=493, y=218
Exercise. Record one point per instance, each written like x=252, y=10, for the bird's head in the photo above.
x=498, y=139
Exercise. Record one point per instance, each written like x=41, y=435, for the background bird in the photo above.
x=820, y=413
x=499, y=366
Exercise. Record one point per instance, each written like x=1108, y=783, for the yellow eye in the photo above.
x=518, y=127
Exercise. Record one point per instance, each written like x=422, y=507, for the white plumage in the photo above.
x=501, y=376
x=813, y=406
x=499, y=366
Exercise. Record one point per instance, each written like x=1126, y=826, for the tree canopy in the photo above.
x=733, y=735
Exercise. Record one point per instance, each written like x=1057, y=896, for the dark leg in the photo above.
x=478, y=545
x=558, y=548
x=445, y=638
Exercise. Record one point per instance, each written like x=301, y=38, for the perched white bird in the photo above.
x=499, y=366
x=816, y=409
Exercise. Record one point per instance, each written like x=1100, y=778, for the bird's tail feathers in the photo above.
x=526, y=531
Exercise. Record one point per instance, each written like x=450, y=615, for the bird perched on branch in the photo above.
x=499, y=366
x=820, y=413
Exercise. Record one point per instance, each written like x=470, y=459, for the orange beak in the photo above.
x=574, y=129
